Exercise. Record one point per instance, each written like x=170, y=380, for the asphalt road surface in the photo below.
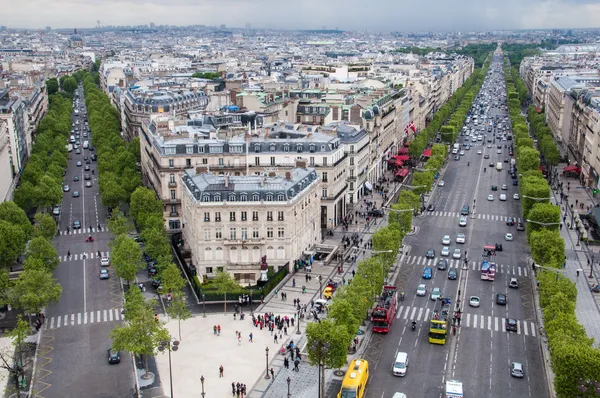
x=479, y=355
x=75, y=338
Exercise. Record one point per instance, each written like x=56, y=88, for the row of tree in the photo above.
x=573, y=357
x=543, y=134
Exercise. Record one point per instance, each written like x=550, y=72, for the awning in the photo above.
x=402, y=173
x=427, y=153
x=403, y=151
x=403, y=158
x=398, y=163
x=368, y=185
x=572, y=169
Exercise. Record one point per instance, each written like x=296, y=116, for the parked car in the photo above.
x=114, y=356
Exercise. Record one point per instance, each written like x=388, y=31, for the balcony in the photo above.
x=174, y=214
x=245, y=242
x=171, y=201
x=172, y=184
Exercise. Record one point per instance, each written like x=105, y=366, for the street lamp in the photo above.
x=298, y=323
x=320, y=286
x=591, y=268
x=202, y=381
x=543, y=224
x=558, y=271
x=589, y=386
x=172, y=345
x=320, y=349
x=267, y=368
x=536, y=199
x=289, y=381
x=203, y=305
x=251, y=304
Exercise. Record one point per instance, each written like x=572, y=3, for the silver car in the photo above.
x=422, y=290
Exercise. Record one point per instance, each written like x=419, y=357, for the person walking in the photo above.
x=296, y=363
x=221, y=371
x=272, y=374
x=250, y=337
x=286, y=363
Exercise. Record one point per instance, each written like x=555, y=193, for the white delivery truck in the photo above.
x=499, y=166
x=454, y=389
x=86, y=144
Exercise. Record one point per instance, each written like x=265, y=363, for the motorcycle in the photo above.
x=89, y=239
x=402, y=296
x=468, y=163
x=484, y=169
x=414, y=325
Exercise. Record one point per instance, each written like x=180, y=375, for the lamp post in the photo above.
x=289, y=381
x=170, y=346
x=298, y=323
x=589, y=386
x=251, y=304
x=267, y=368
x=578, y=237
x=544, y=224
x=202, y=381
x=591, y=268
x=320, y=286
x=320, y=350
x=203, y=305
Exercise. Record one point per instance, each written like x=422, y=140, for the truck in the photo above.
x=454, y=389
x=384, y=313
x=69, y=147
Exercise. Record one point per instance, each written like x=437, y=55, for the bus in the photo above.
x=384, y=312
x=440, y=321
x=355, y=380
x=488, y=270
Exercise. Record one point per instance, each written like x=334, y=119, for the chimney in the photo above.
x=196, y=138
x=272, y=174
x=201, y=169
x=288, y=176
x=227, y=181
x=262, y=181
x=301, y=163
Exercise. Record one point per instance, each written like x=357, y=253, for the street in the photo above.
x=480, y=353
x=73, y=358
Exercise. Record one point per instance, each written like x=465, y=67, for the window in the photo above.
x=312, y=161
x=269, y=216
x=351, y=148
x=244, y=197
x=272, y=148
x=255, y=197
x=209, y=270
x=256, y=148
x=255, y=234
x=206, y=198
x=233, y=233
x=324, y=177
x=272, y=160
x=324, y=161
x=200, y=149
x=173, y=209
x=280, y=197
x=324, y=193
x=217, y=198
x=232, y=216
x=280, y=232
x=352, y=161
x=280, y=216
x=216, y=149
x=231, y=197
x=189, y=149
x=244, y=216
x=173, y=197
x=218, y=233
x=218, y=216
x=206, y=216
x=171, y=163
x=221, y=162
x=204, y=161
x=269, y=197
x=244, y=233
x=257, y=161
x=269, y=232
x=299, y=148
x=172, y=178
x=170, y=150
x=311, y=148
x=206, y=233
x=286, y=148
x=188, y=162
x=254, y=216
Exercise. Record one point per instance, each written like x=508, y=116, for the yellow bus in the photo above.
x=438, y=325
x=355, y=381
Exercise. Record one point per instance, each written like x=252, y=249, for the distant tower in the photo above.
x=75, y=41
x=98, y=24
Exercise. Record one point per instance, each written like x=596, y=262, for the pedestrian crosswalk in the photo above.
x=490, y=217
x=476, y=321
x=83, y=256
x=83, y=318
x=516, y=270
x=83, y=231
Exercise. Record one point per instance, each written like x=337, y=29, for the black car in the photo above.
x=494, y=188
x=155, y=283
x=511, y=325
x=510, y=221
x=442, y=264
x=452, y=274
x=430, y=253
x=113, y=356
x=501, y=299
x=498, y=247
x=465, y=210
x=93, y=156
x=520, y=227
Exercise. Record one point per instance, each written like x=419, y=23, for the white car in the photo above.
x=489, y=145
x=499, y=151
x=105, y=262
x=436, y=293
x=461, y=238
x=490, y=197
x=441, y=183
x=502, y=197
x=479, y=152
x=462, y=222
x=422, y=290
x=508, y=237
x=446, y=240
x=474, y=301
x=516, y=196
x=456, y=254
x=445, y=251
x=462, y=153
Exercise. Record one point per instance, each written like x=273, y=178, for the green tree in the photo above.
x=171, y=279
x=11, y=213
x=547, y=248
x=177, y=309
x=126, y=257
x=156, y=242
x=5, y=285
x=26, y=196
x=45, y=226
x=42, y=249
x=51, y=86
x=49, y=192
x=543, y=213
x=144, y=202
x=224, y=283
x=528, y=159
x=12, y=360
x=69, y=85
x=111, y=191
x=118, y=224
x=12, y=243
x=141, y=334
x=34, y=290
x=341, y=311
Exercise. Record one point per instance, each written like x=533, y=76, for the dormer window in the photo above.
x=257, y=148
x=231, y=197
x=272, y=148
x=286, y=148
x=217, y=197
x=206, y=198
x=269, y=197
x=244, y=197
x=312, y=148
x=255, y=197
x=281, y=197
x=299, y=148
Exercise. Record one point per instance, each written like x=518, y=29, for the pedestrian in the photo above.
x=286, y=363
x=293, y=282
x=233, y=388
x=218, y=330
x=156, y=317
x=221, y=371
x=454, y=330
x=215, y=330
x=292, y=320
x=303, y=289
x=275, y=335
x=272, y=374
x=578, y=273
x=68, y=253
x=250, y=337
x=296, y=363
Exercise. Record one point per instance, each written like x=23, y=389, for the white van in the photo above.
x=72, y=140
x=499, y=166
x=400, y=364
x=86, y=144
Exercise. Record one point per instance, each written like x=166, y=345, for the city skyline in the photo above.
x=405, y=15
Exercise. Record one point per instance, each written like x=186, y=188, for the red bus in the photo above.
x=385, y=310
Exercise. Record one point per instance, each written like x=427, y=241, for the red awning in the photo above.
x=406, y=145
x=572, y=169
x=398, y=163
x=427, y=153
x=403, y=151
x=402, y=173
x=403, y=158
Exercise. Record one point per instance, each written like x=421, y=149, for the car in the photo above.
x=400, y=366
x=490, y=197
x=78, y=164
x=489, y=145
x=456, y=254
x=504, y=187
x=479, y=152
x=442, y=264
x=465, y=210
x=508, y=237
x=430, y=253
x=66, y=188
x=103, y=274
x=87, y=177
x=516, y=370
x=88, y=184
x=88, y=162
x=114, y=356
x=93, y=156
x=510, y=221
x=462, y=222
x=486, y=156
x=445, y=251
x=86, y=168
x=507, y=160
x=78, y=152
x=515, y=182
x=156, y=283
x=446, y=240
x=430, y=207
x=462, y=153
x=104, y=261
x=516, y=196
x=491, y=164
x=513, y=283
x=461, y=238
x=56, y=210
x=422, y=290
x=427, y=273
x=474, y=301
x=441, y=183
x=499, y=151
x=457, y=157
x=75, y=194
x=76, y=224
x=452, y=274
x=501, y=299
x=435, y=294
x=502, y=197
x=494, y=188
x=520, y=227
x=511, y=325
x=76, y=178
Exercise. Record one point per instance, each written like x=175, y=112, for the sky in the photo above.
x=373, y=16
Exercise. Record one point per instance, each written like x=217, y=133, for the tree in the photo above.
x=528, y=159
x=342, y=312
x=42, y=249
x=156, y=242
x=25, y=196
x=34, y=290
x=45, y=226
x=11, y=213
x=111, y=191
x=543, y=213
x=11, y=360
x=547, y=248
x=126, y=257
x=385, y=239
x=224, y=283
x=171, y=279
x=401, y=219
x=51, y=86
x=141, y=334
x=118, y=223
x=49, y=192
x=144, y=202
x=177, y=309
x=12, y=243
x=69, y=85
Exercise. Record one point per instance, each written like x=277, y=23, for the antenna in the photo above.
x=98, y=24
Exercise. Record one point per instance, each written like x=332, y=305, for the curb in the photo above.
x=35, y=358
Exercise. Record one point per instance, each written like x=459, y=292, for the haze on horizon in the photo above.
x=384, y=15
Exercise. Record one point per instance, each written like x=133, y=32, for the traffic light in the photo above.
x=595, y=191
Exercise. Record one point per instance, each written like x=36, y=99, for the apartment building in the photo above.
x=14, y=113
x=562, y=95
x=235, y=223
x=7, y=170
x=35, y=99
x=584, y=137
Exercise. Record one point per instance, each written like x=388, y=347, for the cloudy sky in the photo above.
x=381, y=15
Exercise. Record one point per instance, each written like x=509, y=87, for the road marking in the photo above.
x=104, y=313
x=468, y=320
x=489, y=323
x=72, y=319
x=399, y=312
x=52, y=323
x=406, y=313
x=110, y=315
x=412, y=316
x=525, y=329
x=85, y=318
x=518, y=327
x=58, y=322
x=533, y=330
x=496, y=323
x=482, y=321
x=420, y=314
x=117, y=314
x=98, y=317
